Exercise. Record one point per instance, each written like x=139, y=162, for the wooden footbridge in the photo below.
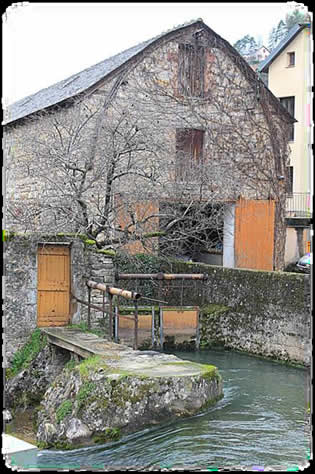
x=78, y=342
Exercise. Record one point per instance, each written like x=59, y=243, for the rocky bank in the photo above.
x=102, y=397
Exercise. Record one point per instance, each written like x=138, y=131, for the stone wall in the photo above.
x=20, y=299
x=262, y=313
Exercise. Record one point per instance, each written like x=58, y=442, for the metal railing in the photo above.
x=298, y=205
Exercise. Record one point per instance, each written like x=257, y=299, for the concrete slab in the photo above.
x=123, y=358
x=11, y=445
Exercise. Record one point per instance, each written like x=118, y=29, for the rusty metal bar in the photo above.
x=94, y=306
x=161, y=276
x=153, y=299
x=131, y=295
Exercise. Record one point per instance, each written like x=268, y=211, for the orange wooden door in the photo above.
x=53, y=288
x=254, y=234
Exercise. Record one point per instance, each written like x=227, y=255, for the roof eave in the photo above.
x=268, y=62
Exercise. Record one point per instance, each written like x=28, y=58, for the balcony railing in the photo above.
x=298, y=205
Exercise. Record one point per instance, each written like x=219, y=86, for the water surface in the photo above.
x=259, y=423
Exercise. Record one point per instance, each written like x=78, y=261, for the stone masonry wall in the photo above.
x=259, y=312
x=20, y=298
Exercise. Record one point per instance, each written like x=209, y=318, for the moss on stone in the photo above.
x=210, y=372
x=24, y=356
x=110, y=434
x=92, y=363
x=84, y=393
x=63, y=410
x=214, y=309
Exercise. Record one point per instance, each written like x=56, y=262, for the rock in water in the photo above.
x=120, y=392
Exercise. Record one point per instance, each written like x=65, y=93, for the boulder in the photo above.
x=121, y=392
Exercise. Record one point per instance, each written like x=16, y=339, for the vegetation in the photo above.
x=64, y=409
x=110, y=434
x=24, y=356
x=84, y=327
x=85, y=391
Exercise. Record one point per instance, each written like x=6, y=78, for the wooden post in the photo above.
x=198, y=330
x=161, y=329
x=104, y=309
x=89, y=308
x=152, y=327
x=116, y=323
x=110, y=322
x=135, y=345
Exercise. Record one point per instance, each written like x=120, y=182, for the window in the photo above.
x=291, y=59
x=289, y=104
x=191, y=70
x=289, y=188
x=189, y=152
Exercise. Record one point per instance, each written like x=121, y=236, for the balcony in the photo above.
x=298, y=205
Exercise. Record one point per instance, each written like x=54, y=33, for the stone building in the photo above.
x=173, y=142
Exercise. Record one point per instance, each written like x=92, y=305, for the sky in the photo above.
x=44, y=43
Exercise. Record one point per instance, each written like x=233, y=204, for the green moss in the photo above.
x=214, y=309
x=84, y=393
x=71, y=364
x=92, y=363
x=110, y=434
x=42, y=445
x=89, y=242
x=210, y=372
x=110, y=253
x=23, y=357
x=63, y=410
x=84, y=327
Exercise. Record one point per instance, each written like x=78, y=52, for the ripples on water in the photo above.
x=259, y=422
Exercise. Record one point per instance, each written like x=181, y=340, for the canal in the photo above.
x=260, y=423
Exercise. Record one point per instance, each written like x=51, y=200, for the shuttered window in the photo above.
x=189, y=152
x=191, y=70
x=289, y=104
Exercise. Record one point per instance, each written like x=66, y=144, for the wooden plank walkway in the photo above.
x=120, y=357
x=79, y=342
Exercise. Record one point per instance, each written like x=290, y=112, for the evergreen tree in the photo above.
x=246, y=46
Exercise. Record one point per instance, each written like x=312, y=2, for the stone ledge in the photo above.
x=118, y=391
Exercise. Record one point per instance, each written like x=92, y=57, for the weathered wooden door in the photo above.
x=254, y=234
x=53, y=288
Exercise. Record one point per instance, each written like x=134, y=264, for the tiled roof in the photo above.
x=295, y=30
x=79, y=82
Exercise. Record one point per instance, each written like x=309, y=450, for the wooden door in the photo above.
x=254, y=234
x=53, y=288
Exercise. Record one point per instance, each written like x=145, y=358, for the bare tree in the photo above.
x=153, y=164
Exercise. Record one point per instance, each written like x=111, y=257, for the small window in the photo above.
x=291, y=59
x=289, y=187
x=191, y=70
x=189, y=152
x=289, y=104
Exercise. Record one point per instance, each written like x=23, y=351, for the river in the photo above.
x=260, y=423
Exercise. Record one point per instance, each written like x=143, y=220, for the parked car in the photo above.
x=304, y=263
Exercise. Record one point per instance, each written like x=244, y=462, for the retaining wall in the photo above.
x=260, y=312
x=20, y=284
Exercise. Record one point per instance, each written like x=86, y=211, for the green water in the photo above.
x=259, y=423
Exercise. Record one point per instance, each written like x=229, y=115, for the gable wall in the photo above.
x=231, y=135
